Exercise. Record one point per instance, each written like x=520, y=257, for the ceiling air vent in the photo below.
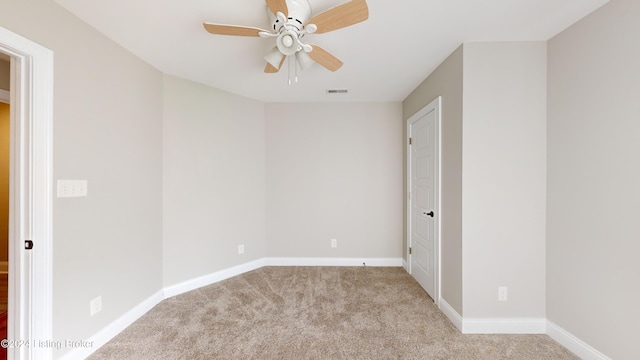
x=337, y=91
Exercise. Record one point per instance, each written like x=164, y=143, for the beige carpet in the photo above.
x=313, y=313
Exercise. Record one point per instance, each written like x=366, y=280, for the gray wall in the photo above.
x=279, y=178
x=493, y=152
x=504, y=179
x=445, y=81
x=107, y=129
x=214, y=180
x=334, y=171
x=593, y=272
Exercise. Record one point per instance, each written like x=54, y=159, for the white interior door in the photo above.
x=423, y=209
x=30, y=230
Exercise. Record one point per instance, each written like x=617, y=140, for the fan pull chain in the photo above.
x=292, y=69
x=289, y=68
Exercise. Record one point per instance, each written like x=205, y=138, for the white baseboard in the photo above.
x=113, y=329
x=451, y=314
x=383, y=262
x=504, y=326
x=110, y=331
x=493, y=326
x=199, y=282
x=522, y=326
x=577, y=346
x=405, y=265
x=466, y=326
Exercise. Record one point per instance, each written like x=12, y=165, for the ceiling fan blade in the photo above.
x=274, y=57
x=344, y=15
x=219, y=29
x=270, y=69
x=324, y=58
x=278, y=5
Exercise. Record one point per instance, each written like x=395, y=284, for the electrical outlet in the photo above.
x=502, y=293
x=95, y=305
x=240, y=249
x=334, y=243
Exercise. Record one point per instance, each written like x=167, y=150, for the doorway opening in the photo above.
x=5, y=145
x=29, y=226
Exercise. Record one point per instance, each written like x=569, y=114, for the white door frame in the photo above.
x=30, y=218
x=433, y=105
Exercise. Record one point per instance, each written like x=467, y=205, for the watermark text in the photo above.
x=47, y=344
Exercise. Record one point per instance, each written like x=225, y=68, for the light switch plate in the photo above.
x=72, y=188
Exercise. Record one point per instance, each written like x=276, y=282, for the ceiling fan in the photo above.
x=290, y=21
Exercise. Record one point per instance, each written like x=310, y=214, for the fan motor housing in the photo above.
x=299, y=14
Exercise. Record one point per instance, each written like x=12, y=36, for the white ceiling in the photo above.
x=385, y=57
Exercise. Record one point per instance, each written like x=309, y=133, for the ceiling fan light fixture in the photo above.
x=304, y=60
x=287, y=42
x=290, y=21
x=274, y=57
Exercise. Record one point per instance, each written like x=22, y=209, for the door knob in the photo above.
x=429, y=213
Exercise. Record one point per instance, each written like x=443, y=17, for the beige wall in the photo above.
x=593, y=236
x=334, y=171
x=445, y=81
x=214, y=180
x=504, y=179
x=5, y=137
x=107, y=127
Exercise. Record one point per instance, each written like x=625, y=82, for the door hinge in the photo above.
x=28, y=244
x=410, y=141
x=410, y=251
